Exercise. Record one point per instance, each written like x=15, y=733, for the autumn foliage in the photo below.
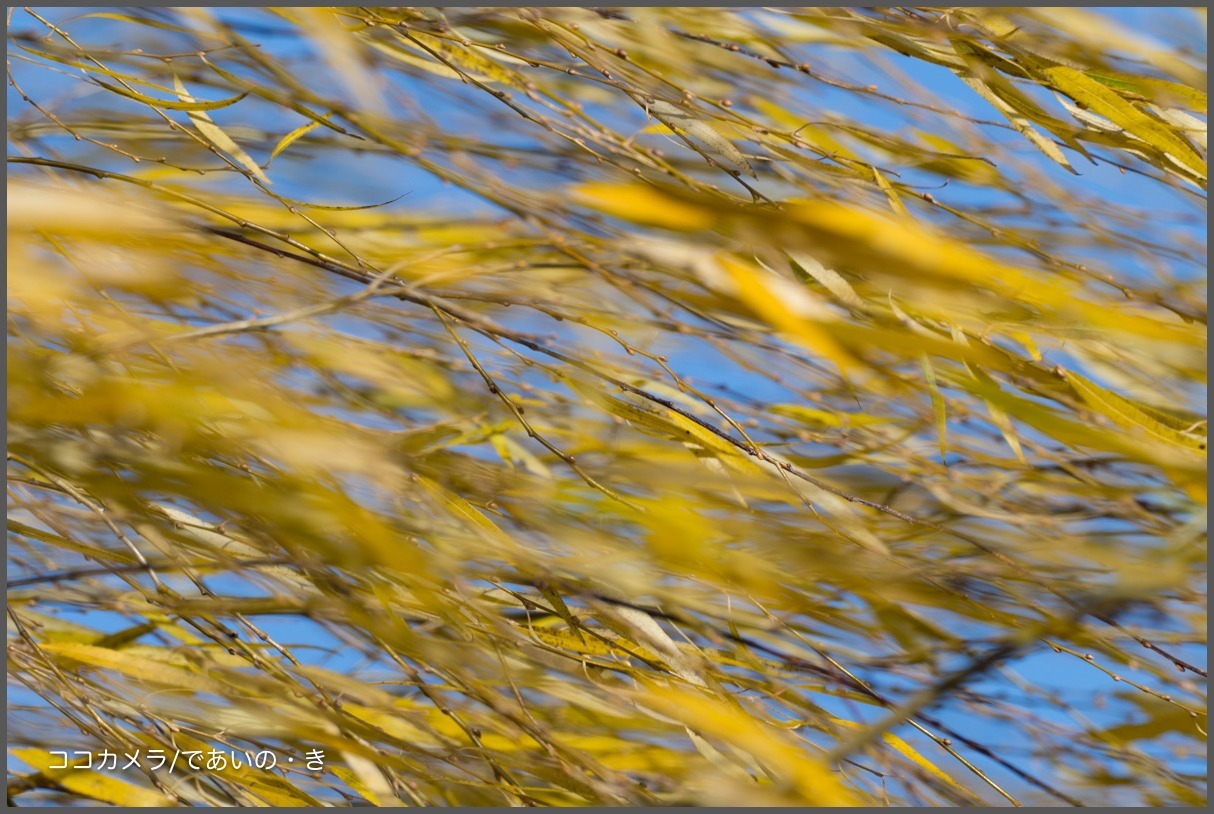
x=632, y=406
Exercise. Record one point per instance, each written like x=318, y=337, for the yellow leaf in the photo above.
x=1045, y=145
x=94, y=552
x=685, y=124
x=712, y=442
x=218, y=138
x=340, y=49
x=1131, y=416
x=907, y=750
x=81, y=212
x=466, y=60
x=883, y=246
x=895, y=202
x=395, y=724
x=644, y=205
x=187, y=103
x=938, y=407
x=465, y=511
x=998, y=416
x=568, y=640
x=757, y=292
x=296, y=134
x=729, y=723
x=511, y=451
x=143, y=669
x=831, y=280
x=1150, y=88
x=1101, y=99
x=424, y=63
x=92, y=785
x=822, y=419
x=268, y=786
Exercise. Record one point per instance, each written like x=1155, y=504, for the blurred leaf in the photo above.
x=621, y=396
x=1135, y=417
x=79, y=779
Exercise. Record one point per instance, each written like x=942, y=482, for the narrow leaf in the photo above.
x=218, y=138
x=938, y=407
x=1129, y=415
x=290, y=138
x=187, y=103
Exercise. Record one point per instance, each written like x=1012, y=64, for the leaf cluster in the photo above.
x=745, y=423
